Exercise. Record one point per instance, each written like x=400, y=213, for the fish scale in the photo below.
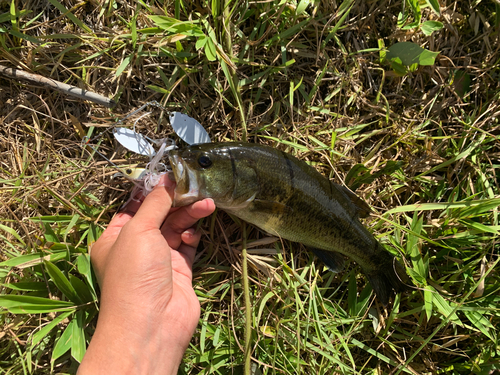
x=286, y=197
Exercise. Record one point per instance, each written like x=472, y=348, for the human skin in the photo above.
x=148, y=308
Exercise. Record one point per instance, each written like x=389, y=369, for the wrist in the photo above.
x=122, y=347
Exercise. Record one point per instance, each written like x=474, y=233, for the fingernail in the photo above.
x=165, y=181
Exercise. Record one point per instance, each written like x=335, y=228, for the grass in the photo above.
x=307, y=77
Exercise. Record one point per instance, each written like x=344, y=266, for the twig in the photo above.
x=56, y=85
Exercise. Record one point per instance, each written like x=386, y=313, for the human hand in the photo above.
x=148, y=308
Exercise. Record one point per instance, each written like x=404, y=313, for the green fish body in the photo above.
x=286, y=197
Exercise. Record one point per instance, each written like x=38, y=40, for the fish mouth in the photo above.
x=187, y=190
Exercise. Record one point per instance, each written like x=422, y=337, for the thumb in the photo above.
x=157, y=204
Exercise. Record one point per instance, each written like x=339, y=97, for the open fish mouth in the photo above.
x=187, y=190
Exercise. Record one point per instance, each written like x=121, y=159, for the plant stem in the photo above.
x=226, y=34
x=248, y=307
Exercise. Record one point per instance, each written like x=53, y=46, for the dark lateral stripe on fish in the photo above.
x=331, y=189
x=290, y=168
x=233, y=165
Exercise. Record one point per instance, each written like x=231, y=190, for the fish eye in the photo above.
x=204, y=161
x=128, y=171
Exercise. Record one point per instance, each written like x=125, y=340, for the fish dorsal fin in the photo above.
x=362, y=208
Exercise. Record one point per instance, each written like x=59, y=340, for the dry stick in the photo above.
x=56, y=85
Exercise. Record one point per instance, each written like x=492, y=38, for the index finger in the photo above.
x=157, y=204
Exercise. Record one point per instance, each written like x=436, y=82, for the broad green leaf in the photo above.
x=62, y=283
x=354, y=173
x=444, y=307
x=428, y=292
x=200, y=43
x=70, y=226
x=210, y=50
x=434, y=4
x=173, y=26
x=30, y=260
x=263, y=302
x=49, y=234
x=38, y=336
x=301, y=7
x=27, y=286
x=33, y=305
x=412, y=248
x=481, y=323
x=83, y=266
x=398, y=66
x=123, y=65
x=82, y=289
x=133, y=30
x=410, y=53
x=416, y=276
x=64, y=342
x=428, y=27
x=78, y=346
x=94, y=233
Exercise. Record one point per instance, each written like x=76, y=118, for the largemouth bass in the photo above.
x=286, y=197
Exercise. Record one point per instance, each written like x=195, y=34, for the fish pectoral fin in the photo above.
x=334, y=261
x=271, y=207
x=362, y=208
x=237, y=204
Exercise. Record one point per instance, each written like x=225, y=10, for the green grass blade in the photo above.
x=62, y=283
x=63, y=344
x=70, y=15
x=33, y=305
x=13, y=233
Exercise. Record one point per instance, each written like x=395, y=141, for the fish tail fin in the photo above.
x=388, y=276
